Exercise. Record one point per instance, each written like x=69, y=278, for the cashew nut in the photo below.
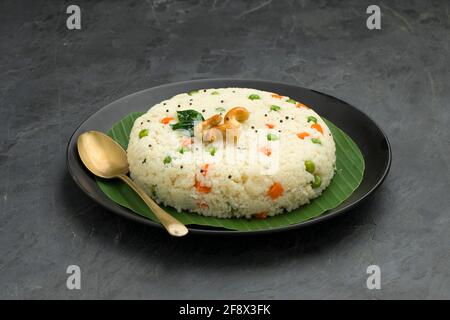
x=231, y=125
x=236, y=116
x=201, y=130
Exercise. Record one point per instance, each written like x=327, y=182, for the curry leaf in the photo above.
x=187, y=120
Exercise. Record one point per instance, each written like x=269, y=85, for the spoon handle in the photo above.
x=172, y=225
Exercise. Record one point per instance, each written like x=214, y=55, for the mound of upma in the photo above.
x=231, y=152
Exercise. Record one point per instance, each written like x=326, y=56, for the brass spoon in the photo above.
x=105, y=158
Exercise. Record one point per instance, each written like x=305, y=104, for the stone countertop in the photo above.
x=52, y=78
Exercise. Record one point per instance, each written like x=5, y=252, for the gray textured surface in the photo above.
x=52, y=78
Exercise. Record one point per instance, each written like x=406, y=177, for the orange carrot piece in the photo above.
x=302, y=135
x=301, y=105
x=317, y=127
x=201, y=188
x=277, y=96
x=261, y=215
x=275, y=191
x=204, y=169
x=266, y=150
x=166, y=120
x=270, y=126
x=186, y=142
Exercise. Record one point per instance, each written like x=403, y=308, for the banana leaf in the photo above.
x=348, y=176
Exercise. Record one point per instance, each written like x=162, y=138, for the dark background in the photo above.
x=52, y=78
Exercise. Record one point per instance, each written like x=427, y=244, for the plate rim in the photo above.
x=117, y=209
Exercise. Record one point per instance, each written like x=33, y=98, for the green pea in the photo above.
x=254, y=97
x=312, y=119
x=317, y=181
x=220, y=109
x=275, y=108
x=143, y=133
x=315, y=140
x=182, y=150
x=272, y=137
x=291, y=101
x=215, y=93
x=310, y=167
x=192, y=92
x=167, y=160
x=212, y=151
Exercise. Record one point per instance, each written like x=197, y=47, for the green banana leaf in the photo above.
x=348, y=176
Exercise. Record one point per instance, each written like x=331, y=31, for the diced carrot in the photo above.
x=266, y=150
x=261, y=215
x=186, y=142
x=275, y=191
x=166, y=120
x=201, y=188
x=204, y=169
x=302, y=135
x=277, y=96
x=317, y=127
x=301, y=105
x=202, y=204
x=270, y=126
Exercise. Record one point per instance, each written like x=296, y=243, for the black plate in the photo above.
x=370, y=138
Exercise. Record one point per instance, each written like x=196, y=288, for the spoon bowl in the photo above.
x=105, y=158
